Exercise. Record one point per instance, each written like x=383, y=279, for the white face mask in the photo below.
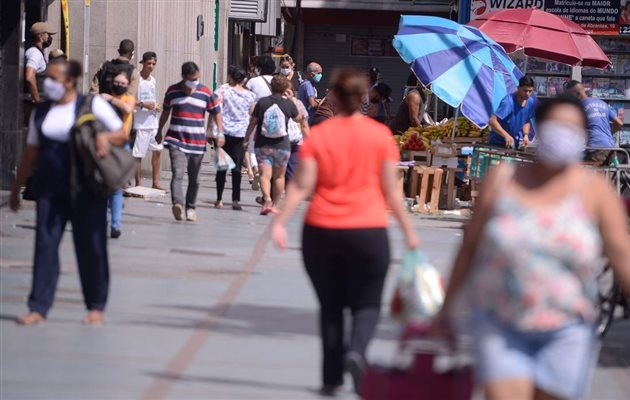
x=192, y=84
x=53, y=89
x=559, y=144
x=285, y=71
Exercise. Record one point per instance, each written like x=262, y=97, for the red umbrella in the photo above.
x=544, y=35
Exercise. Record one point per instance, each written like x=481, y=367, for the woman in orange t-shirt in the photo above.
x=349, y=164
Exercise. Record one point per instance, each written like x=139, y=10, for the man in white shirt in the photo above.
x=145, y=121
x=35, y=62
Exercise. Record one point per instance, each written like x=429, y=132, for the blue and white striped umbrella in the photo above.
x=463, y=66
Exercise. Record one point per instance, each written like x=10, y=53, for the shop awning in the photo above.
x=433, y=6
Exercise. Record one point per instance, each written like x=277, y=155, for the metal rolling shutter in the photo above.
x=322, y=44
x=248, y=10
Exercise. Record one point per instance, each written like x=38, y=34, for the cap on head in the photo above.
x=41, y=27
x=384, y=91
x=57, y=53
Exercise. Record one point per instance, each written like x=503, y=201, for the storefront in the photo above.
x=15, y=16
x=609, y=23
x=358, y=34
x=255, y=27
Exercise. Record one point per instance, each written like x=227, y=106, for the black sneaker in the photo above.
x=260, y=200
x=115, y=233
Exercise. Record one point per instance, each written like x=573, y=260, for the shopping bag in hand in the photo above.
x=223, y=161
x=419, y=290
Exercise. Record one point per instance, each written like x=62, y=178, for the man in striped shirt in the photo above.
x=187, y=102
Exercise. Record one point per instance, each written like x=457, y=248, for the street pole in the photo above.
x=86, y=46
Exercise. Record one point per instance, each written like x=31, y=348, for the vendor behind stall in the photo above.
x=600, y=118
x=511, y=123
x=412, y=107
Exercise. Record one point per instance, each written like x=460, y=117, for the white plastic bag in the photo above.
x=419, y=291
x=223, y=161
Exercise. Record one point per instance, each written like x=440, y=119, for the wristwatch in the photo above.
x=141, y=104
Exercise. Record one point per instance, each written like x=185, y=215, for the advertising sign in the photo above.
x=600, y=17
x=361, y=46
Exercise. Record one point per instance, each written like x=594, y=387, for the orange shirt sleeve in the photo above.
x=309, y=147
x=392, y=153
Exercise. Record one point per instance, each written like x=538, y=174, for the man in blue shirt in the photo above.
x=600, y=118
x=307, y=93
x=511, y=124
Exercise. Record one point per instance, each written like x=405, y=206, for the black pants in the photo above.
x=234, y=147
x=293, y=161
x=88, y=215
x=347, y=268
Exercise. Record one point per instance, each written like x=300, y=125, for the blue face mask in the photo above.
x=317, y=77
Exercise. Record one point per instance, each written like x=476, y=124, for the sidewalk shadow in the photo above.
x=615, y=351
x=232, y=382
x=251, y=320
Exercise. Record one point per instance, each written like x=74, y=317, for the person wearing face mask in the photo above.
x=186, y=104
x=379, y=102
x=531, y=257
x=307, y=93
x=35, y=66
x=236, y=106
x=287, y=68
x=102, y=80
x=512, y=122
x=124, y=104
x=62, y=197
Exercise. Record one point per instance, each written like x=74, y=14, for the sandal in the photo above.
x=267, y=208
x=30, y=319
x=218, y=204
x=236, y=206
x=94, y=317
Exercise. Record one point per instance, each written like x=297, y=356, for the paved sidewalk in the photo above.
x=206, y=310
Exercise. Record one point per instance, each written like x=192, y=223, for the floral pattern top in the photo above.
x=235, y=109
x=535, y=268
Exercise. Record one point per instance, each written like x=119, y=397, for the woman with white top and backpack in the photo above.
x=270, y=118
x=260, y=85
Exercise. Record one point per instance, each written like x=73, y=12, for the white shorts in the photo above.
x=145, y=140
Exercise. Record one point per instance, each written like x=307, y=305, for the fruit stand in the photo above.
x=438, y=159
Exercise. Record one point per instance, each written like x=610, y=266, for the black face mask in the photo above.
x=48, y=42
x=119, y=90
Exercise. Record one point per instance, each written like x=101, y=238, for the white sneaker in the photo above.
x=191, y=215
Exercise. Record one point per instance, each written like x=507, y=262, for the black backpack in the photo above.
x=102, y=175
x=109, y=71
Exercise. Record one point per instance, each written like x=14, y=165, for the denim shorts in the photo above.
x=560, y=362
x=273, y=157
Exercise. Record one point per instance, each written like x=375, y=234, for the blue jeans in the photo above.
x=116, y=204
x=87, y=214
x=116, y=207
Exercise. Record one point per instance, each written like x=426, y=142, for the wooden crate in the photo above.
x=426, y=183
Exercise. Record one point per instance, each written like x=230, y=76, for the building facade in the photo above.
x=91, y=30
